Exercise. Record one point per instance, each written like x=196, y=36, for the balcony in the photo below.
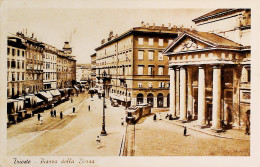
x=121, y=77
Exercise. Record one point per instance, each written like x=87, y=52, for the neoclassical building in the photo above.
x=210, y=74
x=133, y=67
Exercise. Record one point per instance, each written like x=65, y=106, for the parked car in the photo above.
x=114, y=103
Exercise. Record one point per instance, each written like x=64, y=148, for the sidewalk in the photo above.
x=236, y=134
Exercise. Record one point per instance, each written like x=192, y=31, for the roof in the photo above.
x=211, y=39
x=215, y=13
x=143, y=29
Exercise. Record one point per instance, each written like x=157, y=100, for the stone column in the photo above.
x=236, y=100
x=172, y=93
x=165, y=101
x=190, y=102
x=201, y=97
x=216, y=113
x=177, y=91
x=183, y=100
x=155, y=102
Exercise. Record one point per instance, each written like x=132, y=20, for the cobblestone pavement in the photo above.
x=165, y=138
x=75, y=134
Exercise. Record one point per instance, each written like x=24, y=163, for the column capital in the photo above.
x=183, y=67
x=217, y=66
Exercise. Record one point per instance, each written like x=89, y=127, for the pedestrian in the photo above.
x=160, y=117
x=51, y=113
x=71, y=100
x=166, y=116
x=39, y=116
x=185, y=131
x=41, y=120
x=73, y=109
x=88, y=107
x=154, y=117
x=170, y=117
x=54, y=113
x=61, y=115
x=98, y=140
x=247, y=130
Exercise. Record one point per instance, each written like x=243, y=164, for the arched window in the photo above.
x=140, y=98
x=160, y=100
x=150, y=99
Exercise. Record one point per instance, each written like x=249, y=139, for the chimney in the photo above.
x=153, y=25
x=32, y=35
x=142, y=24
x=162, y=25
x=147, y=25
x=169, y=26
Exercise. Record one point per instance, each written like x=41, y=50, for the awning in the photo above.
x=55, y=92
x=119, y=97
x=11, y=100
x=48, y=96
x=76, y=87
x=39, y=100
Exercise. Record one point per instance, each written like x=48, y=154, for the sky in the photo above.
x=86, y=27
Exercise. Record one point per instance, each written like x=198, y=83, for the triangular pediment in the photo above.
x=186, y=42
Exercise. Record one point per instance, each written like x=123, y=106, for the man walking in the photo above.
x=154, y=117
x=39, y=116
x=185, y=131
x=61, y=115
x=41, y=120
x=54, y=113
x=71, y=100
x=73, y=109
x=88, y=107
x=51, y=113
x=98, y=140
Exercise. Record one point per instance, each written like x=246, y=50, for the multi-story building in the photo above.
x=93, y=69
x=83, y=73
x=132, y=65
x=16, y=67
x=210, y=71
x=50, y=67
x=34, y=64
x=66, y=67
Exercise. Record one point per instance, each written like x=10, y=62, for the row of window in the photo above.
x=150, y=84
x=16, y=76
x=151, y=41
x=19, y=64
x=49, y=76
x=150, y=70
x=15, y=52
x=35, y=56
x=150, y=55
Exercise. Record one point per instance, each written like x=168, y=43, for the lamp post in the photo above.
x=103, y=132
x=126, y=95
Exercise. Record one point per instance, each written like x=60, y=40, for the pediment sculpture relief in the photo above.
x=189, y=45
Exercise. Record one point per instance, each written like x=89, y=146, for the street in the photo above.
x=75, y=134
x=162, y=138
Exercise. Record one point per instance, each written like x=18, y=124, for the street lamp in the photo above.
x=126, y=95
x=103, y=132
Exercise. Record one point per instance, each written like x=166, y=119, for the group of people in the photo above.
x=53, y=113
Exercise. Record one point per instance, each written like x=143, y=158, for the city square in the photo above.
x=148, y=90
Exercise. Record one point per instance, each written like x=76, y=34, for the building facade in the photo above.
x=50, y=67
x=34, y=64
x=16, y=67
x=93, y=69
x=132, y=65
x=66, y=67
x=210, y=74
x=83, y=73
